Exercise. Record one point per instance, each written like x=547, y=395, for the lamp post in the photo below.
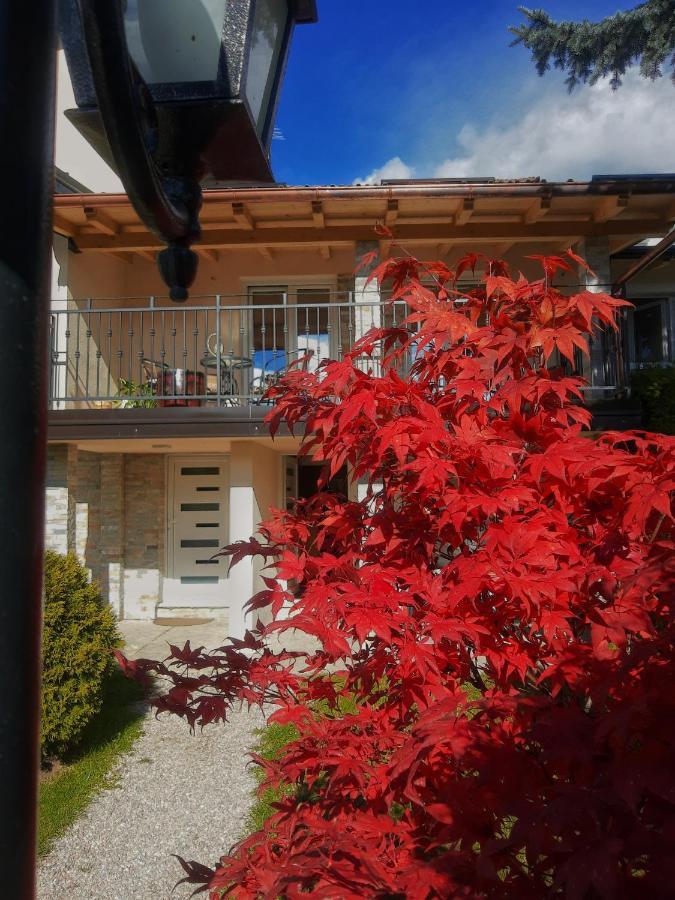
x=27, y=80
x=170, y=91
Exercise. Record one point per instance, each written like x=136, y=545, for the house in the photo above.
x=158, y=454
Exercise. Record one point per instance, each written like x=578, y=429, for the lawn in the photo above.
x=83, y=773
x=271, y=742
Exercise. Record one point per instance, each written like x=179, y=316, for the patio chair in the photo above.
x=216, y=358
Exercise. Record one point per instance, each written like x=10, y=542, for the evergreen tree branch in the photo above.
x=588, y=51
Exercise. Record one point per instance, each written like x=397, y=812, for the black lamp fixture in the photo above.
x=171, y=91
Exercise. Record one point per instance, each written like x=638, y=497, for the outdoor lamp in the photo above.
x=170, y=91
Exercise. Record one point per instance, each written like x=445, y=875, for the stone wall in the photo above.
x=109, y=509
x=144, y=546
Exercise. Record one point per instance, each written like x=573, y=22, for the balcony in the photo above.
x=217, y=351
x=146, y=368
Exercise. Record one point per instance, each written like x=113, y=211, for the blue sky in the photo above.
x=433, y=88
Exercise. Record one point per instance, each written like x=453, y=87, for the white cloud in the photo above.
x=393, y=168
x=593, y=131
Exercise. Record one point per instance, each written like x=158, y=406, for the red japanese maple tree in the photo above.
x=491, y=708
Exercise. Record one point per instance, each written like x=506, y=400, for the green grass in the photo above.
x=271, y=742
x=86, y=771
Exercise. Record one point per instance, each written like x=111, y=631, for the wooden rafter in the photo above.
x=538, y=208
x=208, y=253
x=317, y=214
x=465, y=211
x=391, y=213
x=266, y=252
x=64, y=227
x=99, y=220
x=147, y=255
x=610, y=207
x=242, y=216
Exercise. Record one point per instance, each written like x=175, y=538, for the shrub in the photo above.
x=655, y=389
x=78, y=639
x=495, y=545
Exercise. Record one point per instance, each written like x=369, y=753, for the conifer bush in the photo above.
x=78, y=640
x=495, y=545
x=655, y=389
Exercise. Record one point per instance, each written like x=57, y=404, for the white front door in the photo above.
x=197, y=527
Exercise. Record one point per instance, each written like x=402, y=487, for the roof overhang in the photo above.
x=278, y=217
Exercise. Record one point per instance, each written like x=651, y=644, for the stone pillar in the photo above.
x=145, y=520
x=85, y=487
x=595, y=250
x=72, y=469
x=112, y=530
x=57, y=507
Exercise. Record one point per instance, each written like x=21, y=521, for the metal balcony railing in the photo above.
x=217, y=350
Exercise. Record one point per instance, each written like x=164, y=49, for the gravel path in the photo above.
x=176, y=793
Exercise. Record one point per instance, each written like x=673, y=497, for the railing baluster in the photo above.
x=141, y=354
x=77, y=356
x=153, y=332
x=130, y=360
x=184, y=353
x=99, y=354
x=286, y=313
x=162, y=355
x=173, y=358
x=219, y=351
x=195, y=332
x=87, y=335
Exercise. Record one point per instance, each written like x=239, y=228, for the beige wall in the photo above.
x=93, y=274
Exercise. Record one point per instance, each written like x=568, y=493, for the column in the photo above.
x=367, y=311
x=242, y=524
x=595, y=250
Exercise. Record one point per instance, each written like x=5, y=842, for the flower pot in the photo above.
x=179, y=387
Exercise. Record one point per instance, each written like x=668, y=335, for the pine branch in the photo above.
x=588, y=51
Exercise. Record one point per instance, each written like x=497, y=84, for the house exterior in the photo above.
x=158, y=453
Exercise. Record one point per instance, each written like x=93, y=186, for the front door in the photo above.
x=197, y=527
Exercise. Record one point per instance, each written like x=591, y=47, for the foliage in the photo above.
x=66, y=793
x=588, y=51
x=655, y=388
x=496, y=545
x=78, y=639
x=136, y=396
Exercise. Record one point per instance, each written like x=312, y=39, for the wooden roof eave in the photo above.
x=277, y=216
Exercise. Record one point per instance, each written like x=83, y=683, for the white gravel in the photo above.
x=175, y=793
